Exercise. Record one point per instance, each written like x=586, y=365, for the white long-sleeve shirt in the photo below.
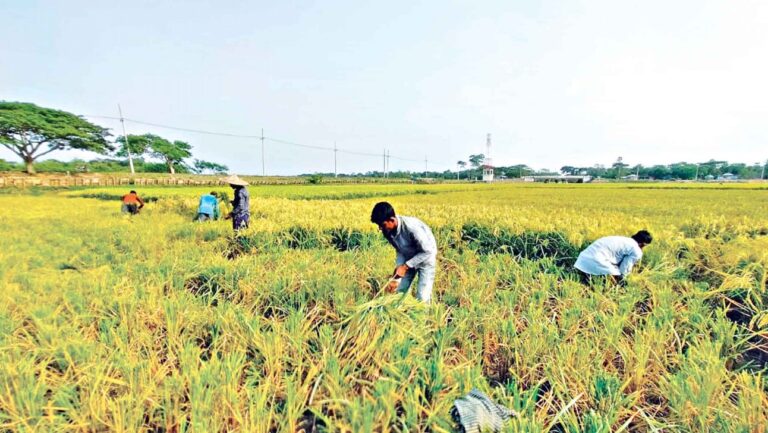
x=611, y=255
x=414, y=242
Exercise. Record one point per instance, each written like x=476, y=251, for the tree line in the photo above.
x=472, y=169
x=31, y=132
x=711, y=169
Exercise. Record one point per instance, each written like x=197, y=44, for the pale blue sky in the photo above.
x=555, y=82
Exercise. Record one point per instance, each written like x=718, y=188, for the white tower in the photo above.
x=487, y=162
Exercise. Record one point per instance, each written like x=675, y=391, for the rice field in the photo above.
x=154, y=323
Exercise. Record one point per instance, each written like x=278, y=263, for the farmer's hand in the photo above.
x=392, y=286
x=229, y=216
x=401, y=270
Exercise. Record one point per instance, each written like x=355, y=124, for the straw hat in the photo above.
x=234, y=180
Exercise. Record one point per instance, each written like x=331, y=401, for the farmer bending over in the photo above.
x=416, y=249
x=208, y=209
x=241, y=213
x=612, y=256
x=132, y=203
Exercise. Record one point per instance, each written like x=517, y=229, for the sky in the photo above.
x=577, y=82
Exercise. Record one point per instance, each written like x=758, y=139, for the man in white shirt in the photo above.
x=416, y=249
x=612, y=256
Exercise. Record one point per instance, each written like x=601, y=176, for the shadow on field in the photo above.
x=531, y=245
x=113, y=196
x=482, y=239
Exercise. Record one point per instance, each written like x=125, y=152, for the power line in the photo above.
x=260, y=137
x=176, y=128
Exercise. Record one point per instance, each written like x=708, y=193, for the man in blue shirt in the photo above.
x=416, y=249
x=208, y=209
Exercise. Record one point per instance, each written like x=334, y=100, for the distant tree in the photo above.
x=7, y=165
x=659, y=172
x=618, y=167
x=462, y=165
x=568, y=169
x=476, y=160
x=518, y=170
x=172, y=153
x=30, y=132
x=139, y=145
x=739, y=169
x=209, y=167
x=712, y=168
x=683, y=170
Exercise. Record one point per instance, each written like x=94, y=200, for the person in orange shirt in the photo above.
x=132, y=203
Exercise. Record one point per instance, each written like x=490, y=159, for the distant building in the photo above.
x=487, y=173
x=630, y=177
x=488, y=162
x=727, y=176
x=559, y=179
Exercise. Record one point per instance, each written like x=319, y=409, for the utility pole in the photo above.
x=389, y=154
x=125, y=137
x=762, y=174
x=335, y=151
x=263, y=169
x=697, y=172
x=425, y=166
x=384, y=163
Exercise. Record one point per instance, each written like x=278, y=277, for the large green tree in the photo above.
x=30, y=132
x=139, y=145
x=172, y=153
x=476, y=160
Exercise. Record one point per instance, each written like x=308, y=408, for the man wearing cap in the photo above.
x=612, y=256
x=241, y=213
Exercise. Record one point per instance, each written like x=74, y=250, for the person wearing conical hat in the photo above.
x=241, y=213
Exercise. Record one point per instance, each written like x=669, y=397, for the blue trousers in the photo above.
x=423, y=286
